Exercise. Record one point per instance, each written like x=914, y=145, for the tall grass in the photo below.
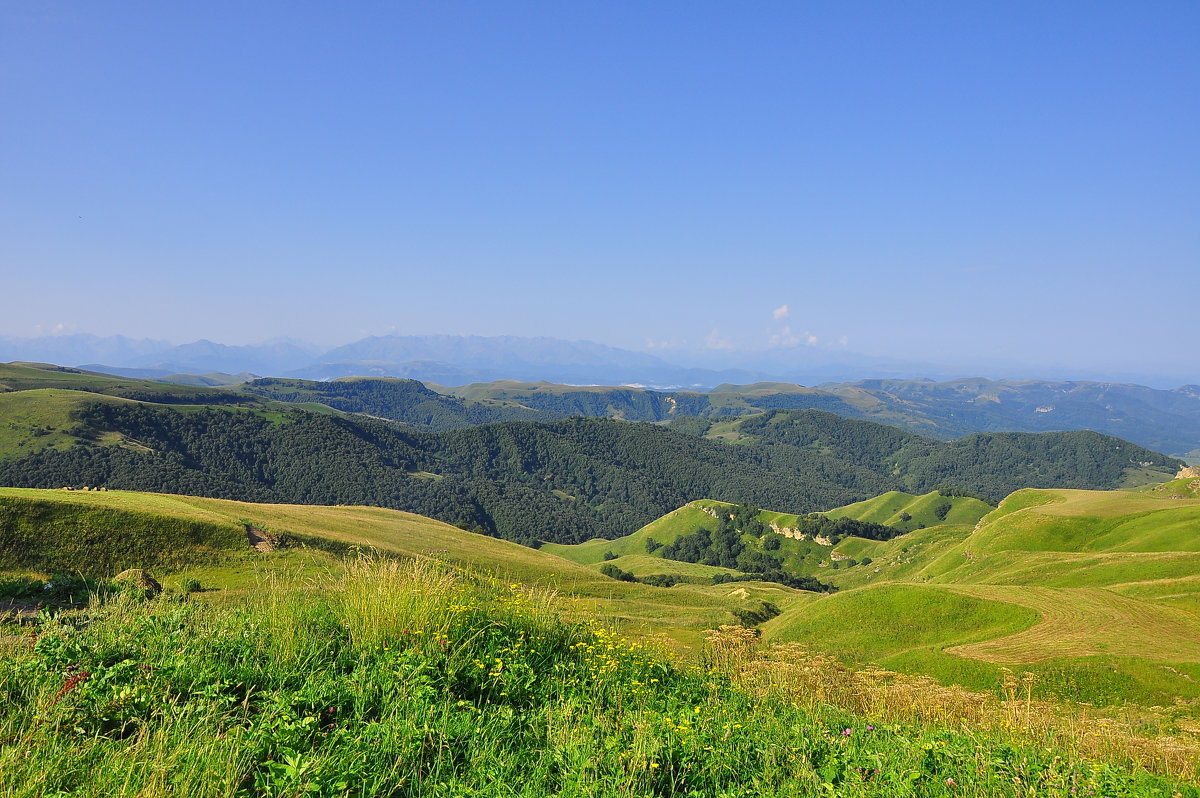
x=1161, y=739
x=403, y=679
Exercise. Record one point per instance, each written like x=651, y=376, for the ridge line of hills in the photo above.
x=1167, y=421
x=565, y=480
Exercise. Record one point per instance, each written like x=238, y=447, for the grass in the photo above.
x=686, y=520
x=37, y=420
x=32, y=376
x=406, y=679
x=908, y=512
x=901, y=618
x=191, y=537
x=1081, y=622
x=1095, y=592
x=950, y=601
x=1186, y=488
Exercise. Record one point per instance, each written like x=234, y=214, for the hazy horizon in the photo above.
x=809, y=366
x=949, y=184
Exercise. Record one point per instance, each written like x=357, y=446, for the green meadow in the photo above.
x=388, y=653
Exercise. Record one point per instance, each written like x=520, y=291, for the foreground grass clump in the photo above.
x=402, y=679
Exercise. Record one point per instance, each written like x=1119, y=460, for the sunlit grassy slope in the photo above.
x=40, y=419
x=37, y=419
x=49, y=530
x=1111, y=577
x=1095, y=592
x=905, y=511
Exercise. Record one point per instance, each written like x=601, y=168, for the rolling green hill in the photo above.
x=29, y=376
x=1110, y=574
x=565, y=481
x=407, y=401
x=1096, y=593
x=1130, y=639
x=99, y=533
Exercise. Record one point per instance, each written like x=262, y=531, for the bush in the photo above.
x=613, y=572
x=661, y=580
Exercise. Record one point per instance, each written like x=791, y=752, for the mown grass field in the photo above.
x=1082, y=622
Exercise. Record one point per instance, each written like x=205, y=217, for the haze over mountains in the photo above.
x=538, y=374
x=460, y=359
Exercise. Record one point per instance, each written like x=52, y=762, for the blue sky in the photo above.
x=955, y=182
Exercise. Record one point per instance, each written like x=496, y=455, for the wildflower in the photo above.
x=870, y=728
x=950, y=782
x=847, y=733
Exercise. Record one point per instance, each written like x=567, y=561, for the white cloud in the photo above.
x=785, y=337
x=714, y=340
x=780, y=312
x=810, y=339
x=844, y=341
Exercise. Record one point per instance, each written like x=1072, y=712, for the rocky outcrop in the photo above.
x=137, y=579
x=787, y=531
x=1188, y=472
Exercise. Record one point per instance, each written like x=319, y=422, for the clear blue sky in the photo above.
x=957, y=181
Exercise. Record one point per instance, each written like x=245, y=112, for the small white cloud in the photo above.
x=810, y=339
x=785, y=337
x=844, y=341
x=714, y=340
x=780, y=312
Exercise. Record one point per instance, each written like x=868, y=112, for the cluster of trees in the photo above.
x=656, y=580
x=727, y=547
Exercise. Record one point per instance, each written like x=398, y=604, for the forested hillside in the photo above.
x=564, y=481
x=987, y=465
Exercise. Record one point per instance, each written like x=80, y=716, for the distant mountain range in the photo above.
x=444, y=359
x=546, y=374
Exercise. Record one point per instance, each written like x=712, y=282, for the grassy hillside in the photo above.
x=564, y=481
x=692, y=516
x=30, y=376
x=98, y=534
x=1110, y=574
x=1094, y=592
x=1108, y=645
x=408, y=680
x=908, y=512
